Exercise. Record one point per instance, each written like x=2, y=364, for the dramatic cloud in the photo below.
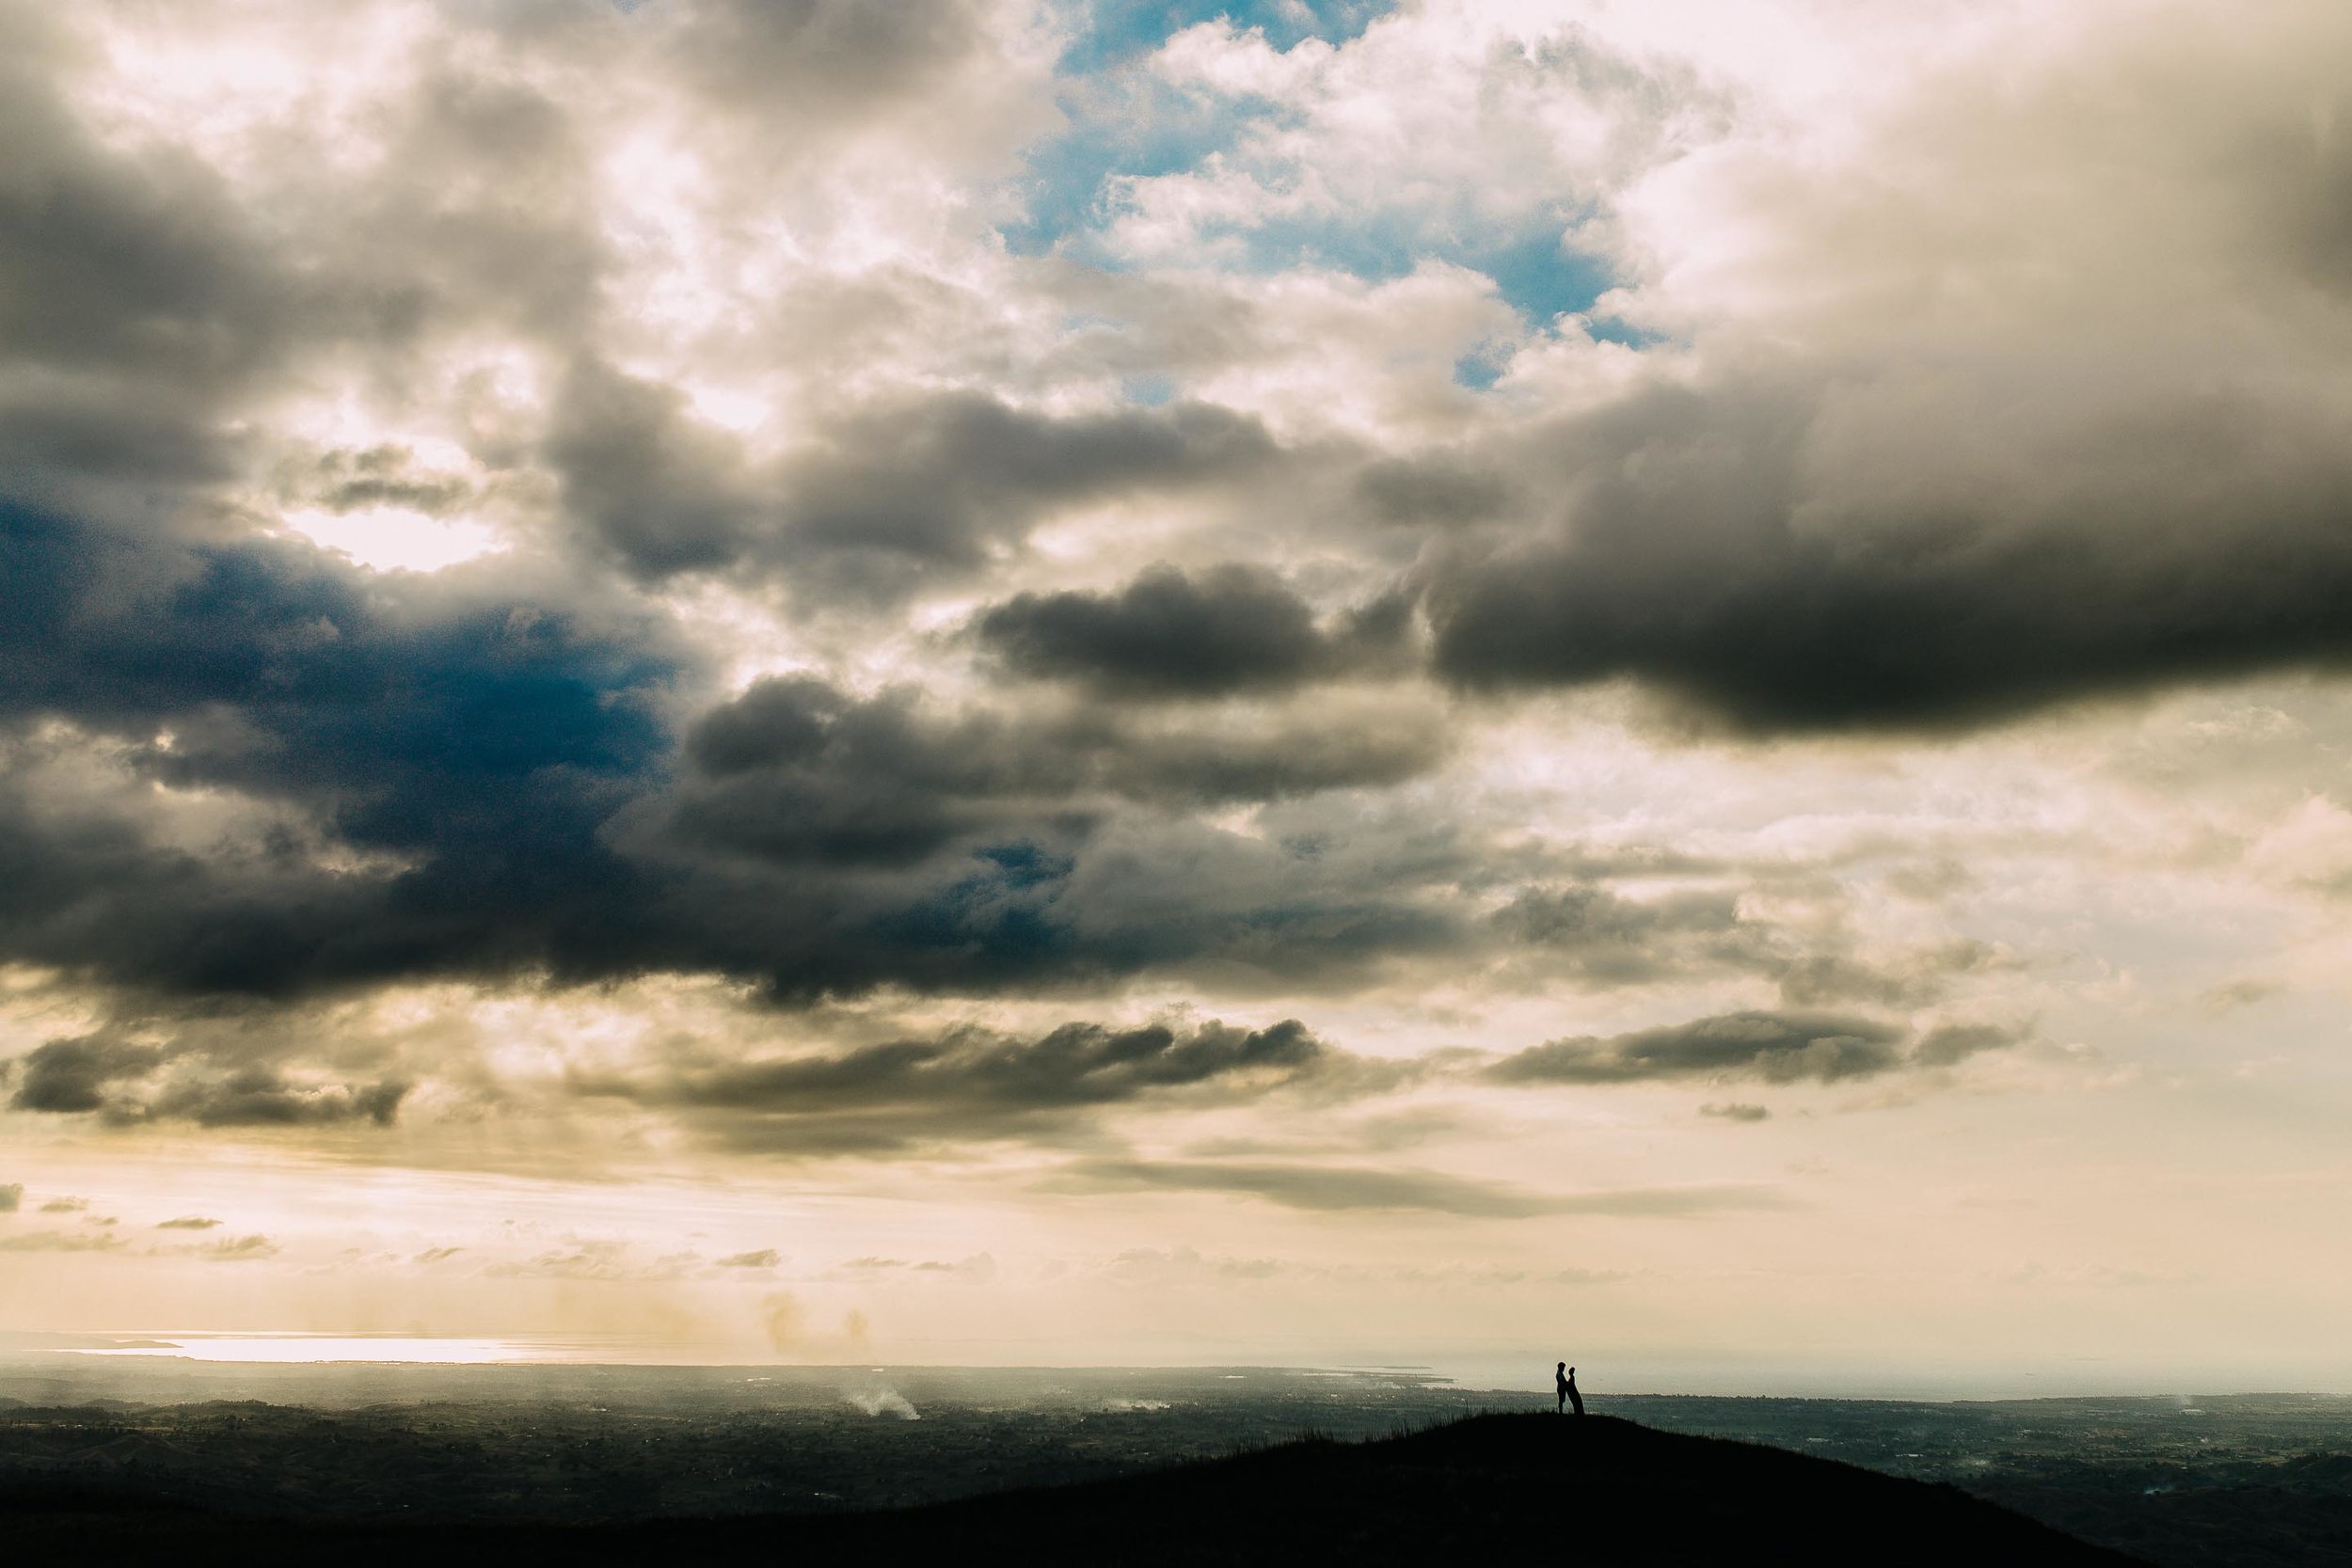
x=71, y=1075
x=930, y=486
x=403, y=857
x=886, y=498
x=1776, y=1047
x=667, y=591
x=444, y=773
x=471, y=747
x=127, y=1083
x=1910, y=485
x=257, y=1097
x=796, y=770
x=1235, y=629
x=524, y=767
x=120, y=263
x=978, y=1084
x=1713, y=575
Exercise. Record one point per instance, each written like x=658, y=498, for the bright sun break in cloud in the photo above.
x=1289, y=683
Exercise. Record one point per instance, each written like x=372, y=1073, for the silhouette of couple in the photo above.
x=1564, y=1378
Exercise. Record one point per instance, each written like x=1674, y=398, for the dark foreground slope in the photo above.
x=1491, y=1488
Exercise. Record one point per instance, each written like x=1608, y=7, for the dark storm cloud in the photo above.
x=1078, y=1064
x=664, y=492
x=884, y=500
x=897, y=494
x=510, y=763
x=1233, y=628
x=1429, y=492
x=1706, y=549
x=801, y=769
x=74, y=1075
x=61, y=442
x=113, y=262
x=974, y=1084
x=795, y=770
x=1775, y=1048
x=826, y=843
x=1325, y=1188
x=261, y=1097
x=483, y=740
x=125, y=1081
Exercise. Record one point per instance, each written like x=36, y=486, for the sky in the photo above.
x=1048, y=681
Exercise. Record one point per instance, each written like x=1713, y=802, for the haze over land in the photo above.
x=1019, y=682
x=295, y=1463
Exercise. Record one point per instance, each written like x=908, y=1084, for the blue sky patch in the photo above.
x=1481, y=368
x=1124, y=122
x=1112, y=33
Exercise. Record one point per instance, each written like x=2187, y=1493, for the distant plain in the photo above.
x=2215, y=1480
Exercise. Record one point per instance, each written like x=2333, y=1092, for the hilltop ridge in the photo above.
x=1484, y=1488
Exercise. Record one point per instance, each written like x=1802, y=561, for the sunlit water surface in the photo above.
x=385, y=1348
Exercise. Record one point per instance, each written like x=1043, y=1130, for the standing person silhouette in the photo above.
x=1568, y=1390
x=1560, y=1387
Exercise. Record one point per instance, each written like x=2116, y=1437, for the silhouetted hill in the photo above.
x=1487, y=1489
